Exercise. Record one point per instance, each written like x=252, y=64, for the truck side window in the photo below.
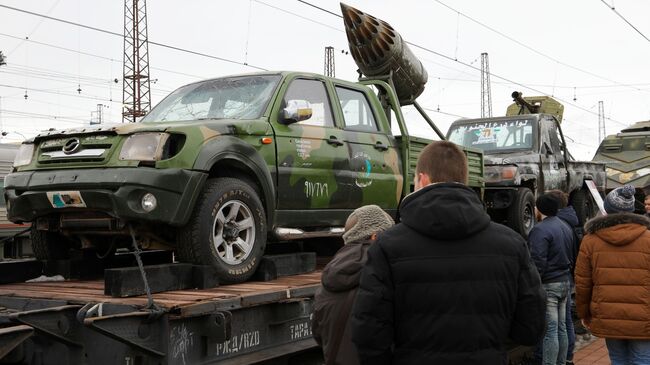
x=314, y=92
x=554, y=135
x=356, y=111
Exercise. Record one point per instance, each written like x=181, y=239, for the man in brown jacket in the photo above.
x=340, y=281
x=613, y=279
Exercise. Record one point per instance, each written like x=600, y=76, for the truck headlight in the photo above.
x=24, y=155
x=143, y=147
x=494, y=174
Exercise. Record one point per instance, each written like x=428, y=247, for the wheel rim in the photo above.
x=233, y=232
x=527, y=217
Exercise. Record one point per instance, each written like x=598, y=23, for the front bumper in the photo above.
x=499, y=197
x=114, y=191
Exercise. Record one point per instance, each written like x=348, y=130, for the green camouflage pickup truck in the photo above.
x=217, y=168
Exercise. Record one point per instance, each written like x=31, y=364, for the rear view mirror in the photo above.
x=296, y=111
x=546, y=149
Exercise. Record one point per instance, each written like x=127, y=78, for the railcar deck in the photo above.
x=182, y=301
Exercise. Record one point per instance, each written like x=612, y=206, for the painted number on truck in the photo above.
x=300, y=330
x=239, y=343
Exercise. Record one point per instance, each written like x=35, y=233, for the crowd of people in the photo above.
x=446, y=285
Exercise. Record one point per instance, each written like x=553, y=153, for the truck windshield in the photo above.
x=243, y=97
x=494, y=136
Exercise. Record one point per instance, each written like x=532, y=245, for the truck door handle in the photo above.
x=334, y=141
x=380, y=146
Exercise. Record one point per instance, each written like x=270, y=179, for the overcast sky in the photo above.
x=579, y=51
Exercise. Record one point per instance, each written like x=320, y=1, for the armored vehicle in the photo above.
x=627, y=157
x=526, y=154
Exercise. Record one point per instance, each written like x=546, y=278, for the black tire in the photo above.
x=521, y=213
x=49, y=246
x=584, y=206
x=196, y=241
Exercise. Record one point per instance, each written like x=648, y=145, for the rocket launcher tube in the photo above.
x=379, y=50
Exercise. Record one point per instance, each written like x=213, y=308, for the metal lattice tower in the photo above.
x=136, y=95
x=601, y=121
x=486, y=90
x=97, y=117
x=329, y=62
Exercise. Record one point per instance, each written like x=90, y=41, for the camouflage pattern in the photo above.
x=300, y=168
x=627, y=158
x=525, y=155
x=534, y=168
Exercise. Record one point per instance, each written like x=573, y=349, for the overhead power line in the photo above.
x=522, y=44
x=625, y=20
x=95, y=55
x=45, y=116
x=53, y=91
x=439, y=54
x=122, y=36
x=301, y=16
x=33, y=29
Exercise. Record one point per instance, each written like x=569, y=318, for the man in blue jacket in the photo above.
x=548, y=242
x=569, y=216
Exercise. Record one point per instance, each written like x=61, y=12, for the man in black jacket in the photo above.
x=446, y=285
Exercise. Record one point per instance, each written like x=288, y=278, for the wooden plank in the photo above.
x=195, y=300
x=87, y=299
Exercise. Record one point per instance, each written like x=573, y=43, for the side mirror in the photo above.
x=547, y=150
x=296, y=111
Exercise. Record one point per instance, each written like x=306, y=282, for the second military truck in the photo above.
x=525, y=155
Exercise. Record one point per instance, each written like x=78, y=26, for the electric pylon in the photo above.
x=601, y=121
x=329, y=62
x=486, y=91
x=136, y=95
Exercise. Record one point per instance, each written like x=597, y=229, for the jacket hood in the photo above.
x=618, y=229
x=446, y=211
x=569, y=215
x=344, y=271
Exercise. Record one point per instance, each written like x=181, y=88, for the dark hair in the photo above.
x=547, y=204
x=443, y=161
x=562, y=197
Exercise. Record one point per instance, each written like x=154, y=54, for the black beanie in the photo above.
x=547, y=204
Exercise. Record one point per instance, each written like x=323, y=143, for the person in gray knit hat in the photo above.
x=620, y=200
x=365, y=222
x=340, y=280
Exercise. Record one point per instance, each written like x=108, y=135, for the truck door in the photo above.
x=553, y=162
x=312, y=154
x=373, y=157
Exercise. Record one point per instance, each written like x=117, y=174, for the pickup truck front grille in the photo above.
x=76, y=149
